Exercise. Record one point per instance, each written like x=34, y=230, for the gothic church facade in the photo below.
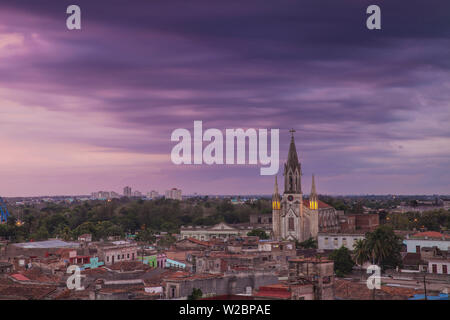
x=294, y=218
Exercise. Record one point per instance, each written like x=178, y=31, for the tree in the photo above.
x=360, y=253
x=383, y=247
x=311, y=243
x=260, y=233
x=343, y=262
x=196, y=294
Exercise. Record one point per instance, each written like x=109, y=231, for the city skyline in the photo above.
x=94, y=109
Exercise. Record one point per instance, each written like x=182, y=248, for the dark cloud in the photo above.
x=149, y=67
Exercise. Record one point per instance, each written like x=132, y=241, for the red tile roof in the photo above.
x=345, y=289
x=431, y=234
x=276, y=291
x=203, y=243
x=20, y=277
x=321, y=204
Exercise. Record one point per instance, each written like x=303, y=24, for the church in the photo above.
x=294, y=218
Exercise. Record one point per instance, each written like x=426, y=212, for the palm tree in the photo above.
x=361, y=254
x=382, y=245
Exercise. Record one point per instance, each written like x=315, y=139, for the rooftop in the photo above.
x=311, y=260
x=47, y=244
x=431, y=234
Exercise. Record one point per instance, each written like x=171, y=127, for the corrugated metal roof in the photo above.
x=47, y=244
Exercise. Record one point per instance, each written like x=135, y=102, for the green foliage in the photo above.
x=196, y=294
x=124, y=216
x=258, y=233
x=381, y=247
x=311, y=243
x=361, y=252
x=343, y=262
x=166, y=241
x=434, y=220
x=146, y=236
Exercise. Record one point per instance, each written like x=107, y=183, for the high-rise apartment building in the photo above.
x=127, y=192
x=174, y=194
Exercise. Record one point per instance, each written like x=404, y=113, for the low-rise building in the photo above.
x=439, y=266
x=282, y=291
x=429, y=239
x=181, y=284
x=316, y=271
x=87, y=237
x=333, y=241
x=221, y=230
x=121, y=251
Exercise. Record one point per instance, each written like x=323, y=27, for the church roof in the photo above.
x=322, y=205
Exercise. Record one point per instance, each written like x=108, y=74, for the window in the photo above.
x=444, y=269
x=434, y=266
x=326, y=241
x=344, y=241
x=107, y=258
x=118, y=257
x=123, y=256
x=291, y=226
x=128, y=256
x=335, y=241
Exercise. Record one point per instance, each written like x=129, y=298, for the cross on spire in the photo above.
x=292, y=132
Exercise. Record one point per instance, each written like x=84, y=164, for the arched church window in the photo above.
x=291, y=226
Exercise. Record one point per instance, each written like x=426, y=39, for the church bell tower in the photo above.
x=276, y=206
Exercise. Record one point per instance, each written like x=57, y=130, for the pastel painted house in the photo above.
x=155, y=261
x=175, y=264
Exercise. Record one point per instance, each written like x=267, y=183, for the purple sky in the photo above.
x=90, y=110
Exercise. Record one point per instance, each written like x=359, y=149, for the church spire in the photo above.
x=292, y=169
x=313, y=186
x=292, y=155
x=276, y=197
x=313, y=198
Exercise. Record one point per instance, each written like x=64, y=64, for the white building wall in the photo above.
x=411, y=244
x=439, y=266
x=331, y=241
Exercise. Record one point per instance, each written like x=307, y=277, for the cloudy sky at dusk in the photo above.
x=90, y=110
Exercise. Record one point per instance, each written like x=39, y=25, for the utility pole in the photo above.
x=425, y=284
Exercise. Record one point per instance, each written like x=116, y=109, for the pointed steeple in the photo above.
x=313, y=198
x=292, y=169
x=276, y=197
x=292, y=160
x=313, y=187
